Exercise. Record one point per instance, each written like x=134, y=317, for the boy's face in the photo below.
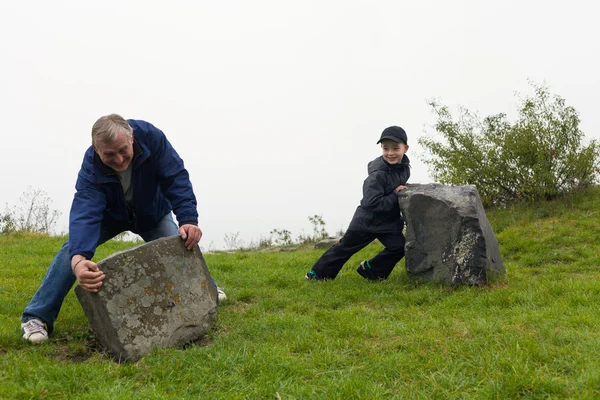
x=393, y=151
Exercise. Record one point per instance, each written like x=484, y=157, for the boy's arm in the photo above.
x=375, y=198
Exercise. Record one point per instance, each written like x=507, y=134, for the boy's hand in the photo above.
x=399, y=188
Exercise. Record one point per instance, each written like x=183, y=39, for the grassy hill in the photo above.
x=533, y=334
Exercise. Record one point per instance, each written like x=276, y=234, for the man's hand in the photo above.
x=191, y=234
x=399, y=188
x=87, y=273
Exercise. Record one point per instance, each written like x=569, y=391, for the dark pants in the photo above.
x=331, y=262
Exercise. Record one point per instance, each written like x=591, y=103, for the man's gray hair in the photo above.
x=107, y=128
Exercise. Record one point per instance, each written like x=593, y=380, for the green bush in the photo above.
x=540, y=156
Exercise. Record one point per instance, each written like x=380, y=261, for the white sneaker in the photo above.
x=34, y=330
x=221, y=296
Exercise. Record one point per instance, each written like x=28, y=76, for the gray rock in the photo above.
x=155, y=295
x=327, y=243
x=448, y=236
x=279, y=249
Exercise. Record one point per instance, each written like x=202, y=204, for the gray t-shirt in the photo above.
x=125, y=178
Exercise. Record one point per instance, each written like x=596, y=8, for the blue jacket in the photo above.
x=160, y=184
x=379, y=211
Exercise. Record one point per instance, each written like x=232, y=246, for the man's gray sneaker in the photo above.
x=221, y=296
x=34, y=330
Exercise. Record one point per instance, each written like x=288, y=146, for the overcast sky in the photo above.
x=275, y=106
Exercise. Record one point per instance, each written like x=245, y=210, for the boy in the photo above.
x=377, y=216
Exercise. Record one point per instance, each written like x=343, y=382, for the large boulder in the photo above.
x=155, y=295
x=448, y=236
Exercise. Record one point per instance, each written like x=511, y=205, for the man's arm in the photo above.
x=172, y=177
x=175, y=184
x=85, y=219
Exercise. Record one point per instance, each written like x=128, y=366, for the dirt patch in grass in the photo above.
x=74, y=350
x=500, y=284
x=200, y=342
x=64, y=353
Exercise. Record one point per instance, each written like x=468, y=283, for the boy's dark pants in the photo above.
x=352, y=242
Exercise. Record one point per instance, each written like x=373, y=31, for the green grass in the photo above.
x=534, y=334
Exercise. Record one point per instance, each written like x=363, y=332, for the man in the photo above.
x=131, y=179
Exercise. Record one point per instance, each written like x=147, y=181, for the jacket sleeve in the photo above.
x=173, y=178
x=374, y=196
x=85, y=218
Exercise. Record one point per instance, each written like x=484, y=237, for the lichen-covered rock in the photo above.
x=155, y=295
x=448, y=236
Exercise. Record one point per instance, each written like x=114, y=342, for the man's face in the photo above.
x=393, y=151
x=116, y=155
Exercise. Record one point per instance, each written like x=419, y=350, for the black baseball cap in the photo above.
x=394, y=133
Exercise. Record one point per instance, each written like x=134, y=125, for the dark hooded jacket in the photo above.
x=378, y=211
x=159, y=181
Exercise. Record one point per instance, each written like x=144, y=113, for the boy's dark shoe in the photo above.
x=364, y=270
x=312, y=276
